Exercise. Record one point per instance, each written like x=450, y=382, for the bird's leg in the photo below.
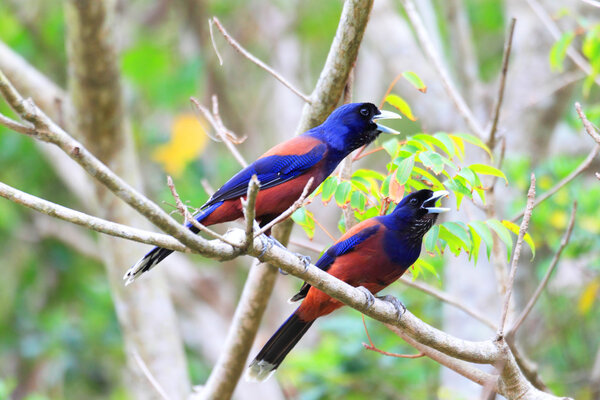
x=368, y=295
x=305, y=260
x=398, y=305
x=267, y=243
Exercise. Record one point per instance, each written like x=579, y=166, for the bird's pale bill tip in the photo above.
x=384, y=114
x=385, y=129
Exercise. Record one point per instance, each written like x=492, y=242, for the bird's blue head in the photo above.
x=417, y=212
x=353, y=125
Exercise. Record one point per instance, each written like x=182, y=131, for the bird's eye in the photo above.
x=364, y=111
x=413, y=202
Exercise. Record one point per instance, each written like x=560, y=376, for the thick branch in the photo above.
x=339, y=63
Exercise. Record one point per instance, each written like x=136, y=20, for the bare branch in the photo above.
x=297, y=204
x=517, y=253
x=554, y=30
x=187, y=216
x=544, y=282
x=249, y=209
x=449, y=299
x=16, y=126
x=563, y=182
x=224, y=134
x=88, y=221
x=256, y=61
x=505, y=59
x=434, y=58
x=374, y=348
x=587, y=124
x=149, y=375
x=46, y=130
x=461, y=367
x=212, y=40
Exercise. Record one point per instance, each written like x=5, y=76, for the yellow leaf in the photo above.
x=586, y=301
x=188, y=140
x=400, y=104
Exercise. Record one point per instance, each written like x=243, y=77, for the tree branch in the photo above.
x=544, y=282
x=517, y=253
x=434, y=58
x=505, y=59
x=90, y=222
x=339, y=63
x=255, y=60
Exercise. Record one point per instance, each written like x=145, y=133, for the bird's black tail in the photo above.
x=158, y=254
x=280, y=344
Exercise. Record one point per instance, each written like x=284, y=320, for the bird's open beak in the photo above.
x=429, y=204
x=383, y=114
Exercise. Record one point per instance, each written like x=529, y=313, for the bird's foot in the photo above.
x=368, y=295
x=305, y=260
x=268, y=242
x=398, y=305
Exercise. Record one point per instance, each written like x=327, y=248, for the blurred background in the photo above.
x=60, y=336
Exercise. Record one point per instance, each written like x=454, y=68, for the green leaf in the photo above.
x=488, y=170
x=404, y=169
x=306, y=220
x=482, y=230
x=368, y=173
x=425, y=174
x=434, y=141
x=559, y=51
x=452, y=241
x=432, y=160
x=361, y=184
x=448, y=143
x=503, y=233
x=342, y=193
x=329, y=187
x=391, y=147
x=385, y=186
x=473, y=140
x=459, y=231
x=358, y=201
x=400, y=104
x=476, y=244
x=431, y=238
x=514, y=228
x=415, y=80
x=424, y=265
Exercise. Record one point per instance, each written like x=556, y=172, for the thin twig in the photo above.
x=189, y=218
x=517, y=253
x=359, y=154
x=374, y=348
x=224, y=134
x=449, y=299
x=556, y=33
x=212, y=40
x=297, y=204
x=324, y=230
x=544, y=282
x=249, y=209
x=149, y=375
x=434, y=58
x=258, y=62
x=587, y=124
x=88, y=221
x=16, y=126
x=563, y=182
x=505, y=59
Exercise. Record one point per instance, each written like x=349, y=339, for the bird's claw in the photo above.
x=305, y=260
x=267, y=243
x=398, y=305
x=368, y=295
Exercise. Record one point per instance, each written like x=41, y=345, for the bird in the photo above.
x=371, y=255
x=284, y=171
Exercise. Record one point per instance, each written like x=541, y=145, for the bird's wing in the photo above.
x=344, y=246
x=271, y=171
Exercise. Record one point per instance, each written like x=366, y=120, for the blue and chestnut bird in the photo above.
x=285, y=170
x=371, y=255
